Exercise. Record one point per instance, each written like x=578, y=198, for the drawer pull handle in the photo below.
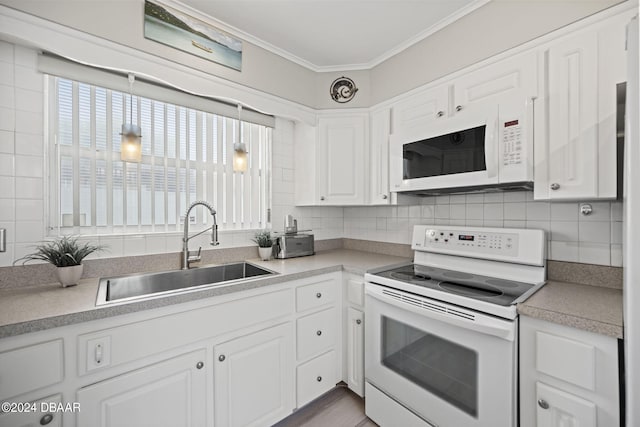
x=555, y=186
x=319, y=379
x=440, y=114
x=458, y=107
x=199, y=365
x=46, y=419
x=318, y=332
x=221, y=358
x=318, y=295
x=358, y=321
x=543, y=404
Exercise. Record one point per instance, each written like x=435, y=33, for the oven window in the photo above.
x=456, y=152
x=443, y=368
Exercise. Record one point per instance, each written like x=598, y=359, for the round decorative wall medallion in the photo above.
x=343, y=89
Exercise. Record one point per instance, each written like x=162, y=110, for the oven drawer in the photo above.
x=315, y=377
x=316, y=333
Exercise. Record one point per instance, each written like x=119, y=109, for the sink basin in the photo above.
x=114, y=289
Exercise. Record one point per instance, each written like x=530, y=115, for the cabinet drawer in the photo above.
x=316, y=333
x=316, y=294
x=315, y=377
x=41, y=416
x=29, y=368
x=566, y=359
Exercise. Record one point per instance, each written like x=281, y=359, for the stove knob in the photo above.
x=431, y=234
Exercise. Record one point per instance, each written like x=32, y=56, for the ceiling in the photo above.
x=332, y=35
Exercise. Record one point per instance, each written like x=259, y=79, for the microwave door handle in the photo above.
x=480, y=324
x=490, y=146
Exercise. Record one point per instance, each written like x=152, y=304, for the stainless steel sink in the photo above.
x=117, y=289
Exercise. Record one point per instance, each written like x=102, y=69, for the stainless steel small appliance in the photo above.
x=293, y=245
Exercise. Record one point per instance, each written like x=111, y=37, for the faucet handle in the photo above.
x=196, y=257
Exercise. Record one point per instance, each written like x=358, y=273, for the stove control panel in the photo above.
x=467, y=241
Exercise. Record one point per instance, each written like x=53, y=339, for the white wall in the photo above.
x=493, y=28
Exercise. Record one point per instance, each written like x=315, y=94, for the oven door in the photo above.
x=457, y=153
x=450, y=366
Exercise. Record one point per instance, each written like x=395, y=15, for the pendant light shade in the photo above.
x=131, y=145
x=240, y=159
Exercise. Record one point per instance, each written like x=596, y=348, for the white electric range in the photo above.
x=441, y=332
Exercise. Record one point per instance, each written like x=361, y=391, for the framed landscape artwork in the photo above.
x=176, y=29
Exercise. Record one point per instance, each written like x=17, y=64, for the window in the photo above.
x=187, y=156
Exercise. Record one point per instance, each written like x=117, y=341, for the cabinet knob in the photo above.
x=318, y=332
x=440, y=114
x=318, y=295
x=221, y=358
x=458, y=107
x=199, y=365
x=358, y=321
x=46, y=419
x=321, y=197
x=555, y=186
x=543, y=404
x=385, y=197
x=319, y=378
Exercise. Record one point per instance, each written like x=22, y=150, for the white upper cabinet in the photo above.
x=576, y=141
x=379, y=152
x=331, y=160
x=420, y=110
x=342, y=155
x=497, y=82
x=567, y=147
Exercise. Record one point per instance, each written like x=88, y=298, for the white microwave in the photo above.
x=482, y=148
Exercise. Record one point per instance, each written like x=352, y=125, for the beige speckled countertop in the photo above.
x=590, y=308
x=33, y=308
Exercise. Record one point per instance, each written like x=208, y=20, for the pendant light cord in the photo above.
x=132, y=78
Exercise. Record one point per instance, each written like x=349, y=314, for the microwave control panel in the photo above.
x=512, y=142
x=470, y=242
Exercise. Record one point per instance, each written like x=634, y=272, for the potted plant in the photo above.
x=66, y=254
x=265, y=242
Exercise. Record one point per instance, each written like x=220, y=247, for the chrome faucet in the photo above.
x=189, y=257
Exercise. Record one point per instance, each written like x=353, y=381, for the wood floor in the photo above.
x=339, y=408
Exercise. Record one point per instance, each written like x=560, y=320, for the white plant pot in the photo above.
x=265, y=253
x=69, y=276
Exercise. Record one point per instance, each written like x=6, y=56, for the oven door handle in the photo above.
x=481, y=323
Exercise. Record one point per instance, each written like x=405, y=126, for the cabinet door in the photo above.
x=355, y=351
x=507, y=79
x=379, y=173
x=253, y=383
x=341, y=159
x=172, y=393
x=557, y=408
x=420, y=110
x=571, y=151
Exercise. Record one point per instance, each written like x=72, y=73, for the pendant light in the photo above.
x=130, y=145
x=239, y=148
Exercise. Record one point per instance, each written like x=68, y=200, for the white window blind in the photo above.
x=186, y=156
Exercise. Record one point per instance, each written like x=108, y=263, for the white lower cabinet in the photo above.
x=253, y=378
x=172, y=393
x=39, y=415
x=557, y=408
x=355, y=350
x=316, y=377
x=354, y=332
x=568, y=377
